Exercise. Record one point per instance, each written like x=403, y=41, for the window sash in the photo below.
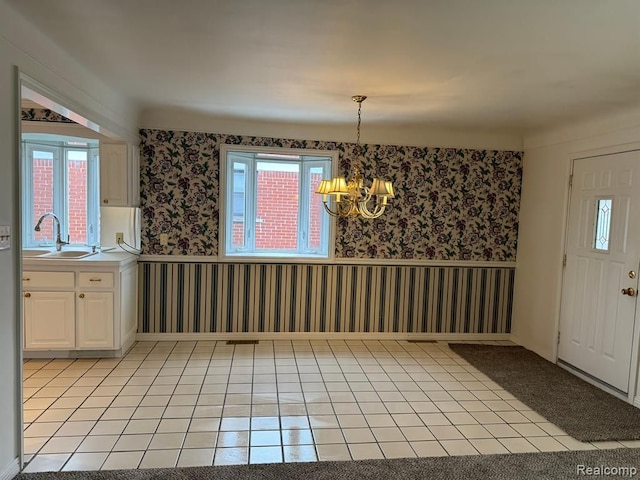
x=306, y=202
x=93, y=201
x=248, y=158
x=248, y=206
x=60, y=189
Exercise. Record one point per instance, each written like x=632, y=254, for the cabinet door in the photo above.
x=114, y=180
x=49, y=320
x=95, y=320
x=133, y=169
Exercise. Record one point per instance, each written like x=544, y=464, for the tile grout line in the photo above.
x=392, y=358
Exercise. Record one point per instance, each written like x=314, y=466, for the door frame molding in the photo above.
x=633, y=395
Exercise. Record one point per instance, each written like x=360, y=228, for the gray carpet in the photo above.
x=583, y=411
x=552, y=465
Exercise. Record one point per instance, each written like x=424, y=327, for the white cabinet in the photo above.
x=49, y=320
x=49, y=310
x=94, y=310
x=84, y=308
x=119, y=175
x=94, y=319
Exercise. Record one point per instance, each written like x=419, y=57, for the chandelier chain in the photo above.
x=359, y=121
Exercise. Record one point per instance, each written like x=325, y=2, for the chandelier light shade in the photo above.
x=350, y=197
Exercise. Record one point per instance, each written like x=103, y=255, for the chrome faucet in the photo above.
x=59, y=242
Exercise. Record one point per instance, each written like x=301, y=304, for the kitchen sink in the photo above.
x=34, y=252
x=66, y=254
x=69, y=254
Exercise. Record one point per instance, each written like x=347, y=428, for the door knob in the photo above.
x=629, y=291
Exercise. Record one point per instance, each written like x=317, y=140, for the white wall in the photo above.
x=545, y=188
x=9, y=353
x=22, y=45
x=119, y=220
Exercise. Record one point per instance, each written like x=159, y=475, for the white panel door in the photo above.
x=602, y=260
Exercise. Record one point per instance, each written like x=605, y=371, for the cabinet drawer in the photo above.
x=95, y=280
x=57, y=280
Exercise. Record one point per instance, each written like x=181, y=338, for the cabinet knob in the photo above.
x=81, y=295
x=28, y=295
x=26, y=279
x=105, y=201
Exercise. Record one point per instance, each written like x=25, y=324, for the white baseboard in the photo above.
x=515, y=339
x=204, y=336
x=72, y=353
x=11, y=470
x=636, y=402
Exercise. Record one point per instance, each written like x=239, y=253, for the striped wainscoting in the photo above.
x=230, y=298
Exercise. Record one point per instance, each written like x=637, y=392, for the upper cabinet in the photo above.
x=119, y=175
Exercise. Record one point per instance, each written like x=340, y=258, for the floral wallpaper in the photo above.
x=43, y=115
x=450, y=204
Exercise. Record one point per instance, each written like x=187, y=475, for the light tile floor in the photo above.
x=172, y=404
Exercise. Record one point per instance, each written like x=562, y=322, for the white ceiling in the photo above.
x=514, y=65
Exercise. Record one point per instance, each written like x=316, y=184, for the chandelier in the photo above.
x=352, y=198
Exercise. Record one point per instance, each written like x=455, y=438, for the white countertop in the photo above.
x=113, y=258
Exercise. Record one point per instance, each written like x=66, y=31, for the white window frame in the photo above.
x=226, y=169
x=46, y=143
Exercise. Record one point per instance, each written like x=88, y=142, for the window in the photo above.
x=603, y=224
x=270, y=206
x=60, y=175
